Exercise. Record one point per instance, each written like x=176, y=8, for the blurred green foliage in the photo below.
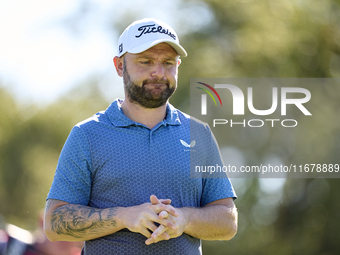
x=31, y=139
x=244, y=38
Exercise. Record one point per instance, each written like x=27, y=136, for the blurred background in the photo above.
x=56, y=70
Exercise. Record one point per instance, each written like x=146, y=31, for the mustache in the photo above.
x=156, y=81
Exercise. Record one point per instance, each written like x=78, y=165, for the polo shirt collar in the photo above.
x=118, y=118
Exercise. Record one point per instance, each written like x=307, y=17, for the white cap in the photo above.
x=146, y=33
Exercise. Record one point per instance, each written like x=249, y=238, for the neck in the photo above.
x=149, y=117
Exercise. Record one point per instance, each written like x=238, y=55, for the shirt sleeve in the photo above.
x=72, y=179
x=217, y=186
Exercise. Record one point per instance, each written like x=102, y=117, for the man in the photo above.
x=123, y=182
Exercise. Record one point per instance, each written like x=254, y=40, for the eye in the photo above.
x=169, y=63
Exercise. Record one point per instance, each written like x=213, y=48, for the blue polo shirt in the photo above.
x=109, y=160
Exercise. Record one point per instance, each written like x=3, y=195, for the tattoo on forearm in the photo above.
x=78, y=221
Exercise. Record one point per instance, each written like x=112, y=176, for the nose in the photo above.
x=158, y=71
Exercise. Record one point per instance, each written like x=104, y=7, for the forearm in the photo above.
x=71, y=222
x=214, y=222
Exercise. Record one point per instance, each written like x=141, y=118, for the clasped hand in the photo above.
x=142, y=219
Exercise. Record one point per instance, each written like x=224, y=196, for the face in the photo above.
x=150, y=77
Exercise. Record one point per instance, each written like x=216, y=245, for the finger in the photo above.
x=165, y=201
x=154, y=200
x=150, y=241
x=158, y=232
x=158, y=235
x=165, y=222
x=150, y=225
x=164, y=236
x=163, y=215
x=145, y=232
x=168, y=208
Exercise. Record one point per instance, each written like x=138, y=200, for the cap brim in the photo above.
x=145, y=46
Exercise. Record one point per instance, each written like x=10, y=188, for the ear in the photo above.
x=119, y=63
x=179, y=61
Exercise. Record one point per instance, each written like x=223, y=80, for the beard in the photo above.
x=145, y=96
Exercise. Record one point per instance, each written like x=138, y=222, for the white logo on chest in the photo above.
x=192, y=144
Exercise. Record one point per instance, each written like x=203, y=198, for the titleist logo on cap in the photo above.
x=153, y=29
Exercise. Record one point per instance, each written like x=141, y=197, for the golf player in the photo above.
x=122, y=182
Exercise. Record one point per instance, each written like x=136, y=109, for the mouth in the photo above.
x=156, y=84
